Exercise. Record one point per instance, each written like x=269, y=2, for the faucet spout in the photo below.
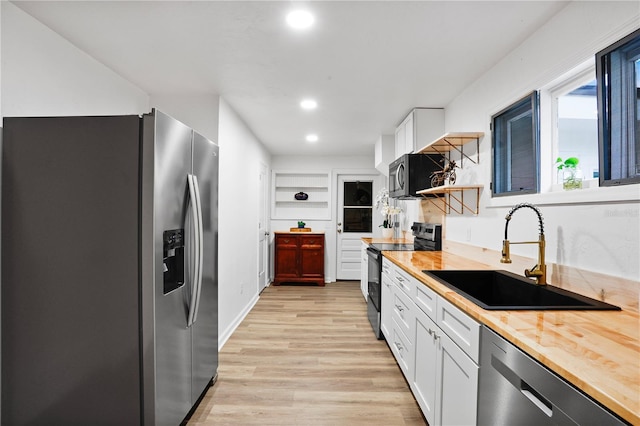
x=539, y=271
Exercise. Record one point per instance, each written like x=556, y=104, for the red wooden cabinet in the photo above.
x=299, y=258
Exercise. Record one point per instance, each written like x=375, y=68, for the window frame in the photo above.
x=576, y=78
x=533, y=99
x=605, y=125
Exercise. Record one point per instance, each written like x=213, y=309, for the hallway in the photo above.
x=306, y=355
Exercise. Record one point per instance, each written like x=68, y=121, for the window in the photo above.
x=575, y=120
x=516, y=150
x=358, y=206
x=618, y=75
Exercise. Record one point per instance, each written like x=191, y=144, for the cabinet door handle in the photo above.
x=399, y=308
x=399, y=279
x=399, y=346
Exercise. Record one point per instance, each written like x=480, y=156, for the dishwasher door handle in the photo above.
x=528, y=391
x=539, y=401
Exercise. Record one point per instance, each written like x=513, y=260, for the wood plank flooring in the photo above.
x=306, y=355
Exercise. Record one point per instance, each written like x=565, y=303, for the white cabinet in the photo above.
x=401, y=140
x=436, y=345
x=445, y=380
x=364, y=271
x=386, y=287
x=399, y=315
x=384, y=153
x=420, y=126
x=425, y=369
x=456, y=385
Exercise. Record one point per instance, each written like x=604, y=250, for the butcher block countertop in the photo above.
x=597, y=351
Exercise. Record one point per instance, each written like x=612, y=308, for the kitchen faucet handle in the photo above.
x=506, y=252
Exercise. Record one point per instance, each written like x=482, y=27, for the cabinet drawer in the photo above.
x=311, y=240
x=403, y=313
x=387, y=267
x=426, y=299
x=460, y=327
x=286, y=241
x=403, y=280
x=403, y=350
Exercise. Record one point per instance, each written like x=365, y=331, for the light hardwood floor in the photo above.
x=306, y=355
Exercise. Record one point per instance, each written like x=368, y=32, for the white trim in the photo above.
x=331, y=241
x=224, y=336
x=599, y=195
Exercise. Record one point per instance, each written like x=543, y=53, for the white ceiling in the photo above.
x=366, y=63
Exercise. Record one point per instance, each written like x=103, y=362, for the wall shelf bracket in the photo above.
x=448, y=192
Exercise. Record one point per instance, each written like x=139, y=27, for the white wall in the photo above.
x=240, y=156
x=599, y=236
x=200, y=112
x=43, y=74
x=333, y=166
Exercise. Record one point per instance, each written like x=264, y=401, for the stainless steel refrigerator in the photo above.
x=109, y=270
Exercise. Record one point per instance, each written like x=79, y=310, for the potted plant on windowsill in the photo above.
x=569, y=173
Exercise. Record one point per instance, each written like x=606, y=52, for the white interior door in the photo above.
x=354, y=222
x=263, y=231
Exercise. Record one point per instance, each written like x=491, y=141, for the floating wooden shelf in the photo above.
x=453, y=142
x=447, y=192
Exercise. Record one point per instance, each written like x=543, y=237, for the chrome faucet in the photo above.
x=539, y=271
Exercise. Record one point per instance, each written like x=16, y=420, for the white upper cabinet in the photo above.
x=384, y=153
x=420, y=127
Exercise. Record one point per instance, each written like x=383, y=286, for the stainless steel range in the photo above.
x=427, y=237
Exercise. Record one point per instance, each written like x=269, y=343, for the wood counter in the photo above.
x=596, y=351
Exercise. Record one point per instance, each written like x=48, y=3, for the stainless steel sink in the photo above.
x=503, y=290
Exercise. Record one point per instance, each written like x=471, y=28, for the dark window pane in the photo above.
x=515, y=148
x=357, y=219
x=358, y=193
x=618, y=75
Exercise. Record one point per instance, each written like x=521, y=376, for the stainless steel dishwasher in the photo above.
x=515, y=389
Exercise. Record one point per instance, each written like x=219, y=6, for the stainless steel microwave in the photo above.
x=411, y=173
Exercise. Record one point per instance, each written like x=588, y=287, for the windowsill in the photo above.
x=598, y=195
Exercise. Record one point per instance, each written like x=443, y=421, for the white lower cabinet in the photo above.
x=398, y=312
x=424, y=379
x=386, y=287
x=456, y=385
x=364, y=271
x=436, y=346
x=402, y=349
x=445, y=380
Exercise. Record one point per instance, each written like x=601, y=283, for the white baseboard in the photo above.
x=224, y=336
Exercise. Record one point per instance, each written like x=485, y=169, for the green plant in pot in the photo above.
x=571, y=174
x=301, y=224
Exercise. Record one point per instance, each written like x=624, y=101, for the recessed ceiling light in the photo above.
x=300, y=19
x=308, y=104
x=312, y=138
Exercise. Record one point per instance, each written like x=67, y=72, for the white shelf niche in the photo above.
x=317, y=185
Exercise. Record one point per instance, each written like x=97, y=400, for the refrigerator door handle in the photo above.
x=194, y=262
x=200, y=250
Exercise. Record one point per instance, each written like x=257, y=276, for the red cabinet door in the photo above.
x=312, y=256
x=299, y=258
